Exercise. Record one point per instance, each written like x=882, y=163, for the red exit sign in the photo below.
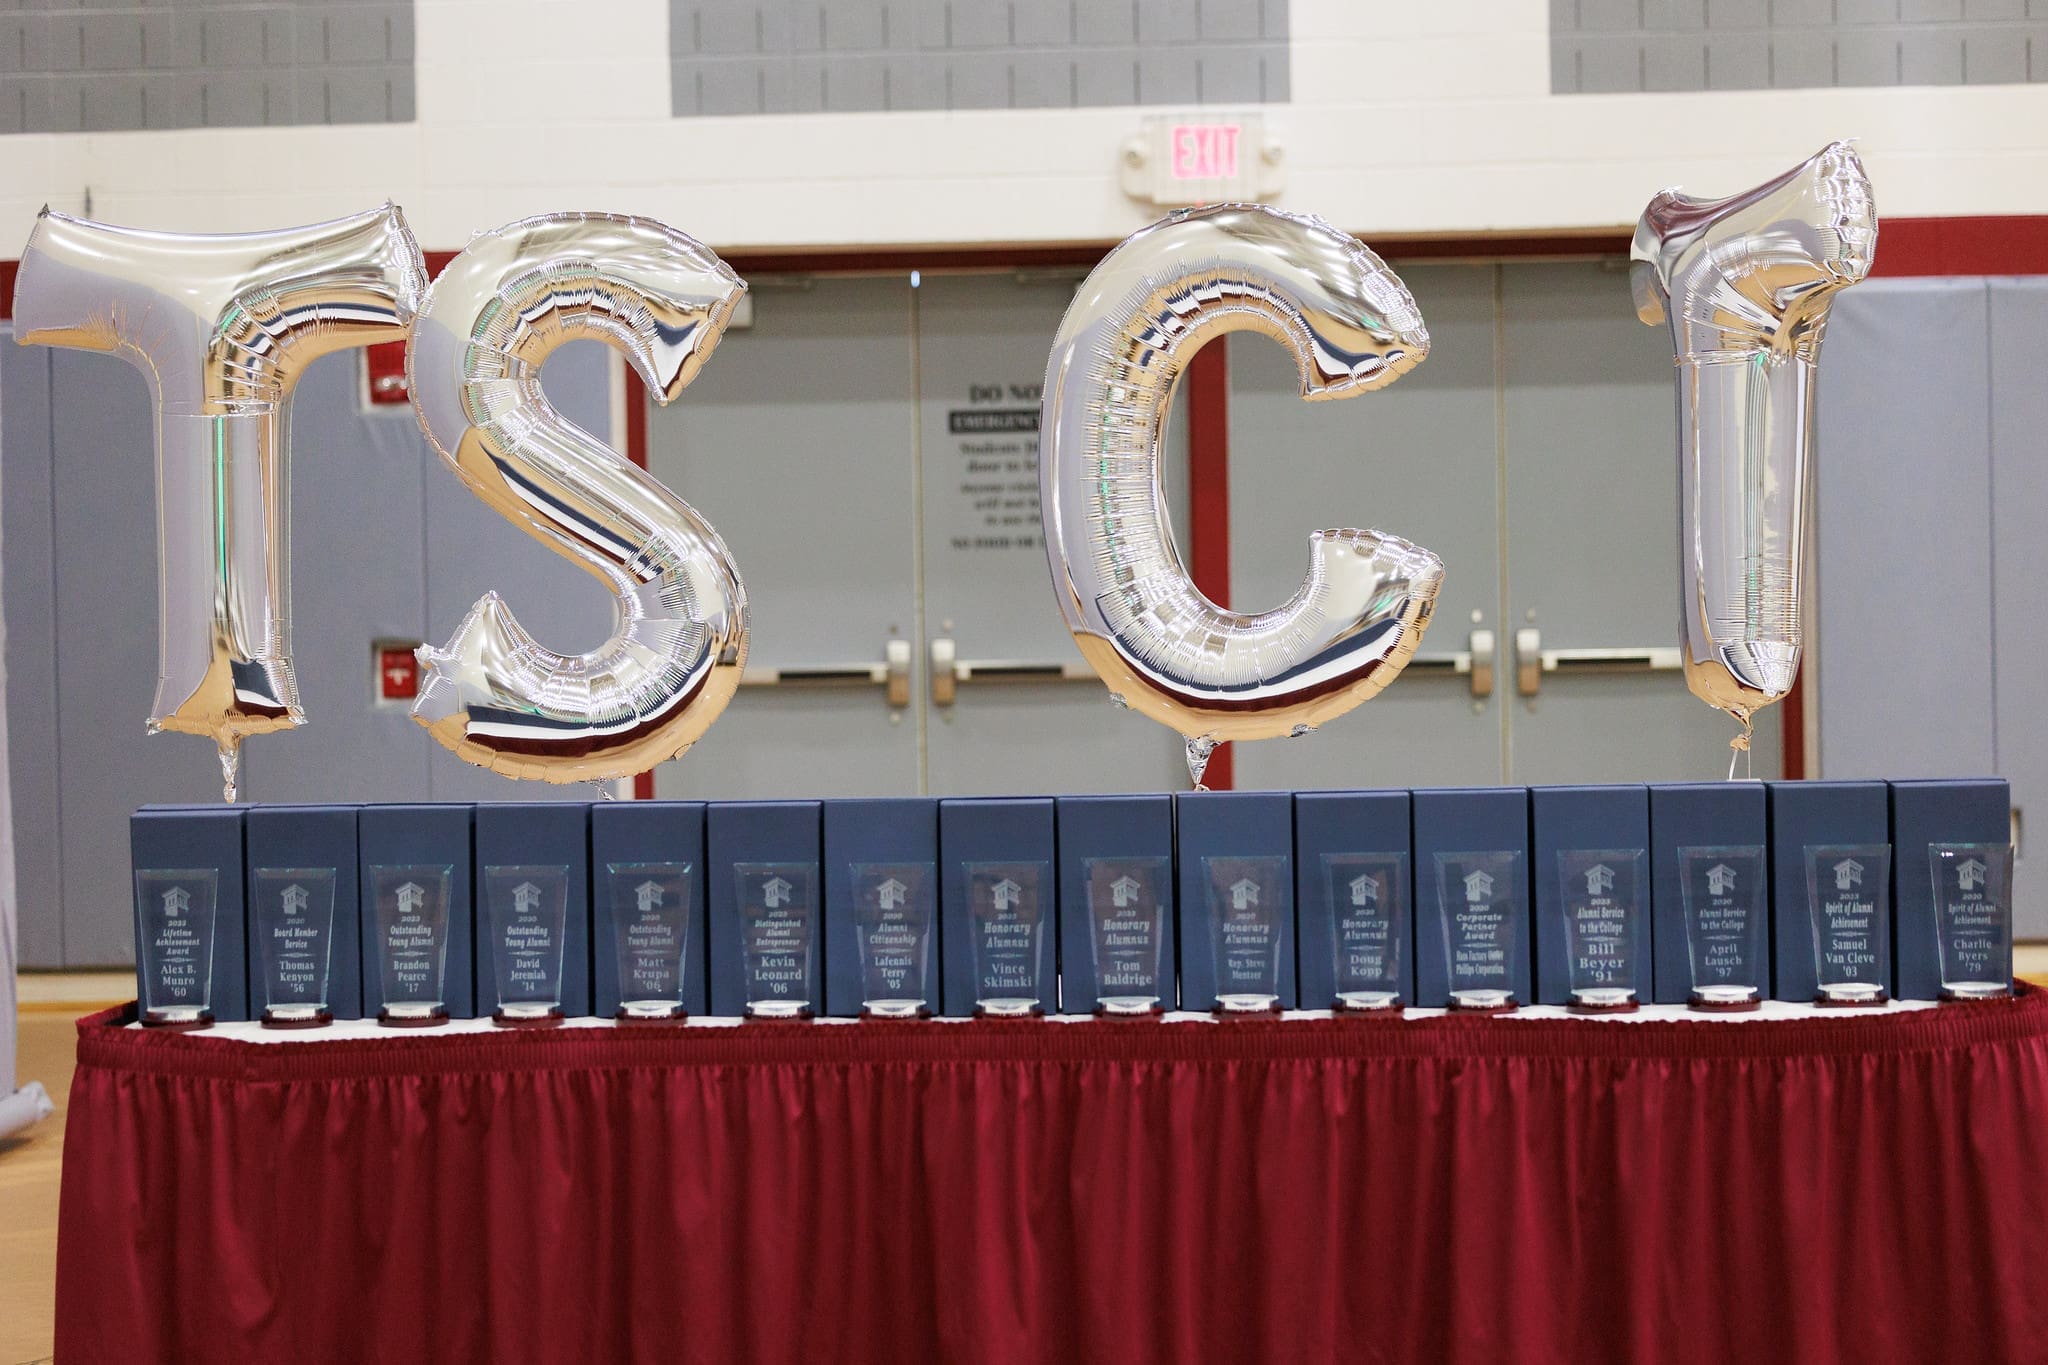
x=1201, y=157
x=1204, y=151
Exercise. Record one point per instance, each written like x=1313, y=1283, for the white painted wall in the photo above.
x=1429, y=119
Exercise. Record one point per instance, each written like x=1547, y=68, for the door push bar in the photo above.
x=949, y=671
x=892, y=674
x=1532, y=660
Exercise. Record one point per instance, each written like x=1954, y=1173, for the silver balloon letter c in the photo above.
x=494, y=695
x=1164, y=648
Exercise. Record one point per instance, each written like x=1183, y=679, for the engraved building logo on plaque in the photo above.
x=1599, y=879
x=1848, y=874
x=1720, y=879
x=1969, y=875
x=1008, y=934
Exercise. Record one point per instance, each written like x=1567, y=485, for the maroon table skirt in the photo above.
x=1860, y=1190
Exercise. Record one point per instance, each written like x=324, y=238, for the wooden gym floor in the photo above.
x=29, y=1161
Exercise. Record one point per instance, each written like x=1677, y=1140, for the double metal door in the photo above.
x=868, y=448
x=1533, y=451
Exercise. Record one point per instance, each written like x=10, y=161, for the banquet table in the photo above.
x=1809, y=1186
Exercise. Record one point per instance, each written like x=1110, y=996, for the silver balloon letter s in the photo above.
x=1138, y=618
x=1745, y=283
x=493, y=694
x=222, y=327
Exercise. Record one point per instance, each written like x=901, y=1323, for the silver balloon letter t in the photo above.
x=222, y=327
x=1745, y=283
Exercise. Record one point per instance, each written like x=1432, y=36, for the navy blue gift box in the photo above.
x=737, y=832
x=638, y=834
x=394, y=842
x=536, y=835
x=308, y=839
x=1346, y=825
x=903, y=835
x=204, y=839
x=1252, y=836
x=1811, y=814
x=1694, y=815
x=1464, y=820
x=1941, y=811
x=1606, y=819
x=1022, y=905
x=1098, y=828
x=997, y=863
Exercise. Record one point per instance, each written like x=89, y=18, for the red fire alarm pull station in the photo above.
x=398, y=671
x=385, y=366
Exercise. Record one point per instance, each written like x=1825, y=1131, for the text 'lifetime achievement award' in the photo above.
x=175, y=916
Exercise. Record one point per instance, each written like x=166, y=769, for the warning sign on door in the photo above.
x=995, y=444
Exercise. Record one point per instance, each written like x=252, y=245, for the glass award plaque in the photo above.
x=1848, y=890
x=1603, y=918
x=526, y=912
x=1249, y=910
x=779, y=919
x=1482, y=914
x=1127, y=930
x=410, y=905
x=894, y=907
x=1368, y=902
x=1723, y=887
x=1973, y=918
x=650, y=906
x=1006, y=912
x=175, y=918
x=293, y=909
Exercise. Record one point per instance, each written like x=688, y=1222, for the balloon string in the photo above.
x=1741, y=751
x=230, y=772
x=1199, y=749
